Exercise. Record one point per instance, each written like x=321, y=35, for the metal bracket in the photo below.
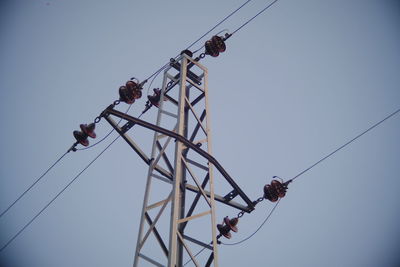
x=231, y=195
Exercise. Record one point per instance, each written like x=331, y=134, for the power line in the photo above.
x=324, y=158
x=346, y=144
x=197, y=254
x=262, y=224
x=155, y=75
x=32, y=185
x=198, y=39
x=48, y=204
x=54, y=164
x=98, y=142
x=58, y=160
x=219, y=23
x=243, y=240
x=107, y=135
x=54, y=198
x=247, y=22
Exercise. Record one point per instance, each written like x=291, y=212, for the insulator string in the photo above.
x=324, y=158
x=258, y=229
x=219, y=23
x=107, y=135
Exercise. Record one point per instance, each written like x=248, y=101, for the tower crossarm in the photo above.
x=111, y=111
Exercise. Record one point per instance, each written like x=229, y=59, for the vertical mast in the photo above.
x=174, y=168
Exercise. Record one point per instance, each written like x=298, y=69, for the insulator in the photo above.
x=86, y=131
x=130, y=91
x=227, y=226
x=215, y=46
x=89, y=129
x=137, y=94
x=126, y=95
x=270, y=193
x=81, y=138
x=219, y=43
x=155, y=98
x=279, y=187
x=131, y=85
x=211, y=49
x=275, y=190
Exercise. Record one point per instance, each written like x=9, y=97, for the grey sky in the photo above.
x=293, y=85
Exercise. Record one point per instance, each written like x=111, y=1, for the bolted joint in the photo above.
x=187, y=52
x=227, y=36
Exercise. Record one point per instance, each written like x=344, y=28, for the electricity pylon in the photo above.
x=174, y=224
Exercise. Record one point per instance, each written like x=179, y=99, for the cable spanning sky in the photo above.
x=295, y=84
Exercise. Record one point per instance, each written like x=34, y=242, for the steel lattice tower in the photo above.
x=174, y=224
x=178, y=120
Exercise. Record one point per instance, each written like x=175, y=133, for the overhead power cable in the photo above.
x=195, y=255
x=262, y=224
x=54, y=198
x=201, y=37
x=243, y=240
x=346, y=144
x=53, y=165
x=32, y=185
x=324, y=158
x=247, y=22
x=51, y=201
x=107, y=135
x=219, y=23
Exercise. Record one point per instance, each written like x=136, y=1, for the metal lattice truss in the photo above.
x=174, y=224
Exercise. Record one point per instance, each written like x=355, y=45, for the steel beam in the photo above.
x=201, y=152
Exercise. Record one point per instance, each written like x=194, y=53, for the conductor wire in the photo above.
x=107, y=135
x=262, y=224
x=198, y=39
x=54, y=198
x=222, y=21
x=247, y=22
x=346, y=144
x=309, y=168
x=32, y=185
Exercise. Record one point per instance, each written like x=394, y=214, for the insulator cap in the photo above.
x=89, y=129
x=81, y=138
x=130, y=91
x=137, y=94
x=131, y=85
x=155, y=98
x=215, y=46
x=224, y=230
x=126, y=95
x=227, y=226
x=211, y=49
x=231, y=223
x=275, y=190
x=219, y=43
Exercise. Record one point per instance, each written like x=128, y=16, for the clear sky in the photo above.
x=295, y=84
